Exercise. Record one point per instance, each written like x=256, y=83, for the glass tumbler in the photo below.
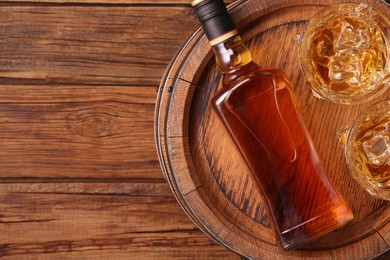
x=367, y=149
x=344, y=53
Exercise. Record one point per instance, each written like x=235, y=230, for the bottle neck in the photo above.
x=232, y=56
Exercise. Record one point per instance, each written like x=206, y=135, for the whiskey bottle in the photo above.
x=258, y=110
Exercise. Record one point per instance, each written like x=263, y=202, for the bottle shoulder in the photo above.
x=258, y=86
x=253, y=73
x=257, y=80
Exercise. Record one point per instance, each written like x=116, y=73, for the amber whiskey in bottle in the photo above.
x=258, y=110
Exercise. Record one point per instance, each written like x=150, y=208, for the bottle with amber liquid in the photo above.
x=258, y=110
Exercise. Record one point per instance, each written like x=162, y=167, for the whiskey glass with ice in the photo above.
x=344, y=53
x=367, y=149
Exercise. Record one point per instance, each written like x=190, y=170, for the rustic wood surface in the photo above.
x=79, y=174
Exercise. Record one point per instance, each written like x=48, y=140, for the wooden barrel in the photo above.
x=204, y=169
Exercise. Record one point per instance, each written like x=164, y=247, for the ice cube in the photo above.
x=344, y=69
x=347, y=36
x=353, y=36
x=377, y=148
x=364, y=39
x=343, y=76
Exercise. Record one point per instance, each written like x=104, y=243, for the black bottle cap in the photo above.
x=215, y=19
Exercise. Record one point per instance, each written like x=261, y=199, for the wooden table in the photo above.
x=79, y=174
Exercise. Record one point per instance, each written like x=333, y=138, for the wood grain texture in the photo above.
x=109, y=2
x=99, y=252
x=94, y=45
x=77, y=132
x=49, y=220
x=79, y=175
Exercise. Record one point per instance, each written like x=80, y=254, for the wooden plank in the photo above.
x=89, y=219
x=134, y=253
x=100, y=45
x=111, y=2
x=77, y=132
